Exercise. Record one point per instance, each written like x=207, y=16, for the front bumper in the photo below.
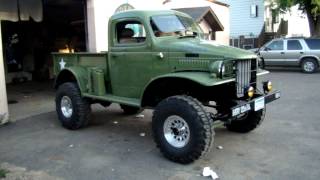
x=255, y=104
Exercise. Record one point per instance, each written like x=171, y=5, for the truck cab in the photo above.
x=158, y=60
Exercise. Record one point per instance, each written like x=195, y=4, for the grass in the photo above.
x=3, y=173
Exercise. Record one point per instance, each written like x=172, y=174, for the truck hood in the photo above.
x=193, y=54
x=204, y=48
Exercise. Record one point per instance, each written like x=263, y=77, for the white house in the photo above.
x=246, y=22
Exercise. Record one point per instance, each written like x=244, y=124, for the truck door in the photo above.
x=273, y=53
x=130, y=58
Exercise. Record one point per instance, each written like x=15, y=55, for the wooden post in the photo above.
x=4, y=114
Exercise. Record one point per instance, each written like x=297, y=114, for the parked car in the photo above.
x=300, y=52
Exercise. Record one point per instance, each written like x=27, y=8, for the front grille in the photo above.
x=245, y=75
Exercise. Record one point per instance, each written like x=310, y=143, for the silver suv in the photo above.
x=301, y=52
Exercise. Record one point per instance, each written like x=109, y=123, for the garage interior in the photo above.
x=27, y=47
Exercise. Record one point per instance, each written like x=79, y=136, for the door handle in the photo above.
x=282, y=53
x=301, y=52
x=160, y=55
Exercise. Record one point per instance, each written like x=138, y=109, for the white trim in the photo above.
x=263, y=73
x=4, y=113
x=225, y=81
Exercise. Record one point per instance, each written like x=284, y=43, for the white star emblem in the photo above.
x=62, y=64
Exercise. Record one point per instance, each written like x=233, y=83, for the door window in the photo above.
x=294, y=45
x=275, y=46
x=130, y=32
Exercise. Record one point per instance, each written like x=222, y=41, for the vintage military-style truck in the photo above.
x=159, y=60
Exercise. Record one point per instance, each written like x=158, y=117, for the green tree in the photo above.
x=310, y=7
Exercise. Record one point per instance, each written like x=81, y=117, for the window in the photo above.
x=294, y=45
x=124, y=7
x=172, y=25
x=247, y=46
x=313, y=44
x=130, y=32
x=275, y=46
x=254, y=11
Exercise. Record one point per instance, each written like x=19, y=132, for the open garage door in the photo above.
x=27, y=47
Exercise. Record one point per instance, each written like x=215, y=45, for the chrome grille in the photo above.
x=243, y=76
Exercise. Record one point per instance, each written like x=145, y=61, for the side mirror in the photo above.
x=266, y=49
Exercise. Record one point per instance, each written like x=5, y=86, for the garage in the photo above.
x=31, y=30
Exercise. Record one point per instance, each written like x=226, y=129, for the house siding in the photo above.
x=241, y=23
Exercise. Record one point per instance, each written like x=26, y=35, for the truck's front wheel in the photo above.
x=248, y=123
x=182, y=129
x=72, y=109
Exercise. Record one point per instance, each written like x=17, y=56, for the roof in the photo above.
x=146, y=13
x=212, y=1
x=219, y=3
x=295, y=38
x=206, y=13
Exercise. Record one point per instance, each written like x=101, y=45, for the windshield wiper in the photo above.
x=187, y=36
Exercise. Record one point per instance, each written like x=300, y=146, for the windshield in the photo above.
x=173, y=25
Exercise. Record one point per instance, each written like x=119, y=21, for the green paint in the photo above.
x=128, y=69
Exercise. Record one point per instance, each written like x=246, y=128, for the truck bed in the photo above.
x=84, y=59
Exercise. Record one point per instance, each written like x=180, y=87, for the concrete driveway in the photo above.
x=286, y=146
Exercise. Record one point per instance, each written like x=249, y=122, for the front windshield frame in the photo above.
x=183, y=24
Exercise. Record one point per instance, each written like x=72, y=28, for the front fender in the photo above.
x=202, y=78
x=79, y=74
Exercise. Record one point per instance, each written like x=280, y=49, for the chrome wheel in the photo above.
x=66, y=106
x=176, y=131
x=309, y=66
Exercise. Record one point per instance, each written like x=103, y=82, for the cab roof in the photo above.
x=146, y=13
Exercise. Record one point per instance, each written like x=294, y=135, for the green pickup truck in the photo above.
x=159, y=60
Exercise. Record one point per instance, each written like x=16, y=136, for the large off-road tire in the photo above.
x=182, y=129
x=129, y=109
x=309, y=65
x=72, y=109
x=248, y=123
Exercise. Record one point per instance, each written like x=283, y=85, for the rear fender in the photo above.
x=73, y=74
x=309, y=56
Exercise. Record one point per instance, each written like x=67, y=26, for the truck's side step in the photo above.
x=117, y=99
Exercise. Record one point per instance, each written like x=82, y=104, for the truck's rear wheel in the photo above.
x=72, y=109
x=248, y=123
x=182, y=129
x=129, y=109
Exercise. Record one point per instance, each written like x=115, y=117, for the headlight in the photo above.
x=217, y=68
x=250, y=91
x=267, y=86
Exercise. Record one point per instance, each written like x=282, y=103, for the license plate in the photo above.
x=241, y=109
x=259, y=104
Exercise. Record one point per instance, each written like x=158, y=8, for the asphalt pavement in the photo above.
x=118, y=147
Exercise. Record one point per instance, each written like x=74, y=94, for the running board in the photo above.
x=115, y=99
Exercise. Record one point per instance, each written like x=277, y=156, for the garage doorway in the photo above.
x=27, y=48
